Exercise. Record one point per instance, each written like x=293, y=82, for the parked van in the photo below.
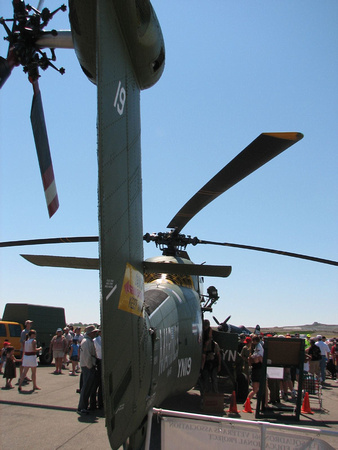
x=12, y=332
x=46, y=320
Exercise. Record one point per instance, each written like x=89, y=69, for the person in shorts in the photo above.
x=58, y=346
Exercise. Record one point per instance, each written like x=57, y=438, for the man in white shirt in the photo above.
x=97, y=344
x=88, y=367
x=325, y=351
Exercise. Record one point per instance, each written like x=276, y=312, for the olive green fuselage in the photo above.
x=151, y=328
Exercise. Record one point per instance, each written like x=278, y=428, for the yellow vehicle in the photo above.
x=12, y=332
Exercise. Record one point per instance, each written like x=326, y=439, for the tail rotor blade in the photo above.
x=40, y=5
x=43, y=151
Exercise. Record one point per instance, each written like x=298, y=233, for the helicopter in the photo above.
x=150, y=310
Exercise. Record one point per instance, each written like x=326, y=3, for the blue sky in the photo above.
x=233, y=70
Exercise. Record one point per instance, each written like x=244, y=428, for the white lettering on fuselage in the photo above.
x=120, y=99
x=184, y=367
x=168, y=348
x=229, y=355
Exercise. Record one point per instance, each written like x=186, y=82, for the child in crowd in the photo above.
x=10, y=369
x=3, y=354
x=74, y=355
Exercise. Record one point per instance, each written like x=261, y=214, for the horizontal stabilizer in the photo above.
x=68, y=262
x=187, y=269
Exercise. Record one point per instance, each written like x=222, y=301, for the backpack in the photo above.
x=316, y=353
x=210, y=363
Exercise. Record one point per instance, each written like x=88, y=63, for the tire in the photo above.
x=46, y=357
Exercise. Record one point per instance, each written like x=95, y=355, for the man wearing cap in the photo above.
x=4, y=353
x=307, y=341
x=315, y=357
x=87, y=363
x=98, y=380
x=28, y=326
x=325, y=351
x=24, y=332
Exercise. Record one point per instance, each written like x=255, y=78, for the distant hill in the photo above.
x=313, y=329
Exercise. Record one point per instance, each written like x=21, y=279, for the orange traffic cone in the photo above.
x=306, y=404
x=247, y=406
x=233, y=404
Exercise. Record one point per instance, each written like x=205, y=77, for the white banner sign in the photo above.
x=180, y=433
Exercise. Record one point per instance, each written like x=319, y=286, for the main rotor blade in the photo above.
x=59, y=240
x=260, y=151
x=43, y=151
x=270, y=250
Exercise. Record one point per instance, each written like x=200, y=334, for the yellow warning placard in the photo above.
x=132, y=293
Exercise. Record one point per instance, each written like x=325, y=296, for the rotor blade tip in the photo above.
x=291, y=135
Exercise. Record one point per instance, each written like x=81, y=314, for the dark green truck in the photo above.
x=46, y=319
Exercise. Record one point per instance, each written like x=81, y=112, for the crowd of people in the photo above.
x=321, y=357
x=80, y=352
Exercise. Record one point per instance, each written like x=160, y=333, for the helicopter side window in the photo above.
x=153, y=299
x=180, y=280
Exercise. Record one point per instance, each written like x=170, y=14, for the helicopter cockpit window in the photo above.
x=180, y=280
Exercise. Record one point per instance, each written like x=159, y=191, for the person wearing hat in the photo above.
x=98, y=382
x=88, y=368
x=307, y=341
x=314, y=355
x=24, y=332
x=10, y=369
x=58, y=346
x=4, y=354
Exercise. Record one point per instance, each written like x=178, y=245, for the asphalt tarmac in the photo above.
x=47, y=419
